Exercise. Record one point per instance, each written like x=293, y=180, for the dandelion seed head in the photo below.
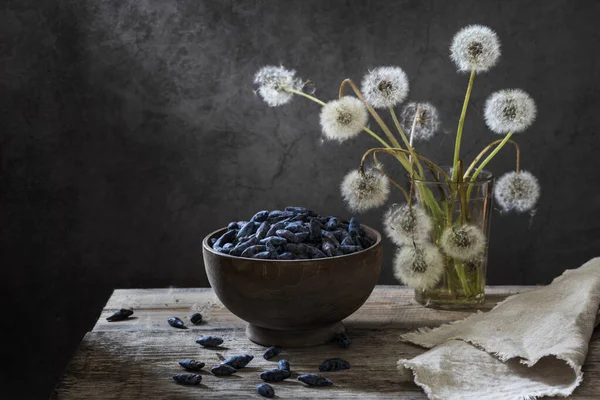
x=344, y=118
x=272, y=82
x=517, y=191
x=407, y=225
x=475, y=48
x=509, y=110
x=463, y=242
x=385, y=87
x=428, y=120
x=364, y=192
x=420, y=267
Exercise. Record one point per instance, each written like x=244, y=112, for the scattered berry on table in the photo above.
x=271, y=352
x=196, y=318
x=275, y=375
x=238, y=362
x=342, y=340
x=315, y=380
x=223, y=370
x=120, y=315
x=191, y=365
x=334, y=364
x=265, y=390
x=284, y=365
x=209, y=341
x=176, y=323
x=187, y=379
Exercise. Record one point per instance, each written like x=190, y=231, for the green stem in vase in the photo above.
x=412, y=158
x=376, y=137
x=487, y=149
x=461, y=192
x=478, y=282
x=423, y=191
x=405, y=152
x=460, y=271
x=461, y=123
x=486, y=161
x=393, y=182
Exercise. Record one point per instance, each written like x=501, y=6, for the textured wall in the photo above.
x=130, y=130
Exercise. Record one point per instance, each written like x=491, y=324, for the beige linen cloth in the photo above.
x=530, y=345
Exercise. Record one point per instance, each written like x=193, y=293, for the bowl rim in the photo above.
x=208, y=248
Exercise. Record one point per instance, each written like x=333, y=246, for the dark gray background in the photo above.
x=130, y=130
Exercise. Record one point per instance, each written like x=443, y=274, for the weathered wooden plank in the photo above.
x=136, y=358
x=139, y=365
x=387, y=307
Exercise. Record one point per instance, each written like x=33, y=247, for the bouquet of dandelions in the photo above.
x=442, y=228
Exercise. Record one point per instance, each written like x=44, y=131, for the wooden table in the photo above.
x=135, y=359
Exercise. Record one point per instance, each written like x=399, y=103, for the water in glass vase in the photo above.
x=461, y=217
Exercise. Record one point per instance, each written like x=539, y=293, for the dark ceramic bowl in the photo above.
x=293, y=303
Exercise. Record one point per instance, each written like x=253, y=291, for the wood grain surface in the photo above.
x=136, y=359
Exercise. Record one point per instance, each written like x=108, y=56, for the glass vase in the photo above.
x=463, y=282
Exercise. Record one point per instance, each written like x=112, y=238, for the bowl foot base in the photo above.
x=295, y=337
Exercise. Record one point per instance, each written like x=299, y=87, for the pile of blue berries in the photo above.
x=295, y=233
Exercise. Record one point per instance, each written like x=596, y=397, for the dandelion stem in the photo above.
x=380, y=168
x=411, y=158
x=460, y=271
x=342, y=87
x=426, y=195
x=404, y=151
x=400, y=157
x=487, y=149
x=486, y=161
x=462, y=199
x=412, y=132
x=399, y=127
x=377, y=137
x=461, y=123
x=308, y=96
